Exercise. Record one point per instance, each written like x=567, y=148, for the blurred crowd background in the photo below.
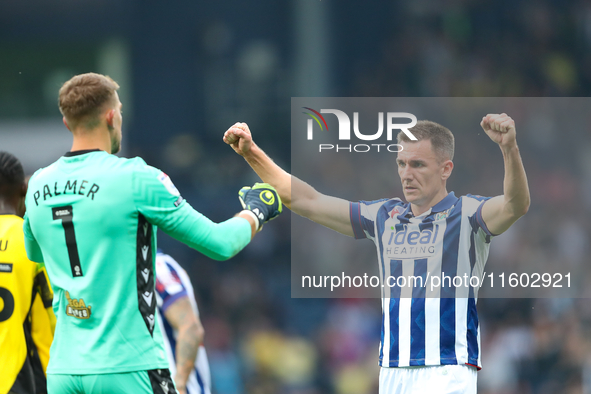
x=189, y=70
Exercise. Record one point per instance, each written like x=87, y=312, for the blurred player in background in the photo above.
x=27, y=320
x=92, y=218
x=435, y=334
x=182, y=329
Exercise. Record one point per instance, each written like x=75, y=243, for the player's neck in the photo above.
x=7, y=207
x=91, y=139
x=418, y=210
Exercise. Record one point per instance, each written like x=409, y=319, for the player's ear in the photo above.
x=110, y=116
x=66, y=123
x=446, y=169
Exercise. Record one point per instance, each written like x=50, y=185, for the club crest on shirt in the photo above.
x=77, y=307
x=167, y=182
x=396, y=211
x=442, y=215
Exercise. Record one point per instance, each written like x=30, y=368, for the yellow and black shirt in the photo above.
x=26, y=318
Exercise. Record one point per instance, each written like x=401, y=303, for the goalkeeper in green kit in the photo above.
x=92, y=218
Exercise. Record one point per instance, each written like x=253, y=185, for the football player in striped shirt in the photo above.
x=178, y=317
x=430, y=339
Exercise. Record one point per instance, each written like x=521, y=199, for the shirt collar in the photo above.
x=447, y=202
x=80, y=152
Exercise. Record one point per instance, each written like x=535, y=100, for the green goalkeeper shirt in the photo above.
x=92, y=218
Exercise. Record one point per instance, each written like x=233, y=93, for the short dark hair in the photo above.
x=442, y=140
x=12, y=175
x=84, y=95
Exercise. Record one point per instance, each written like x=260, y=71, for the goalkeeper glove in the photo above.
x=262, y=200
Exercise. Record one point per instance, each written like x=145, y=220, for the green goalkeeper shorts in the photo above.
x=155, y=381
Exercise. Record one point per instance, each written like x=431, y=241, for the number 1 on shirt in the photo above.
x=66, y=214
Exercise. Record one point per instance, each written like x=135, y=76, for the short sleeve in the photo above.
x=168, y=282
x=42, y=326
x=43, y=286
x=476, y=220
x=363, y=216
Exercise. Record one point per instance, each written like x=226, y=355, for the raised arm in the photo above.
x=295, y=194
x=500, y=212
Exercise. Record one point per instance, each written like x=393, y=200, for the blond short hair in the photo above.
x=84, y=96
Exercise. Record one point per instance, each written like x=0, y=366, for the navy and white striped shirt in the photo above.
x=422, y=325
x=172, y=283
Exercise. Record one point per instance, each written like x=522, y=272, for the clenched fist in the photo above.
x=239, y=138
x=500, y=128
